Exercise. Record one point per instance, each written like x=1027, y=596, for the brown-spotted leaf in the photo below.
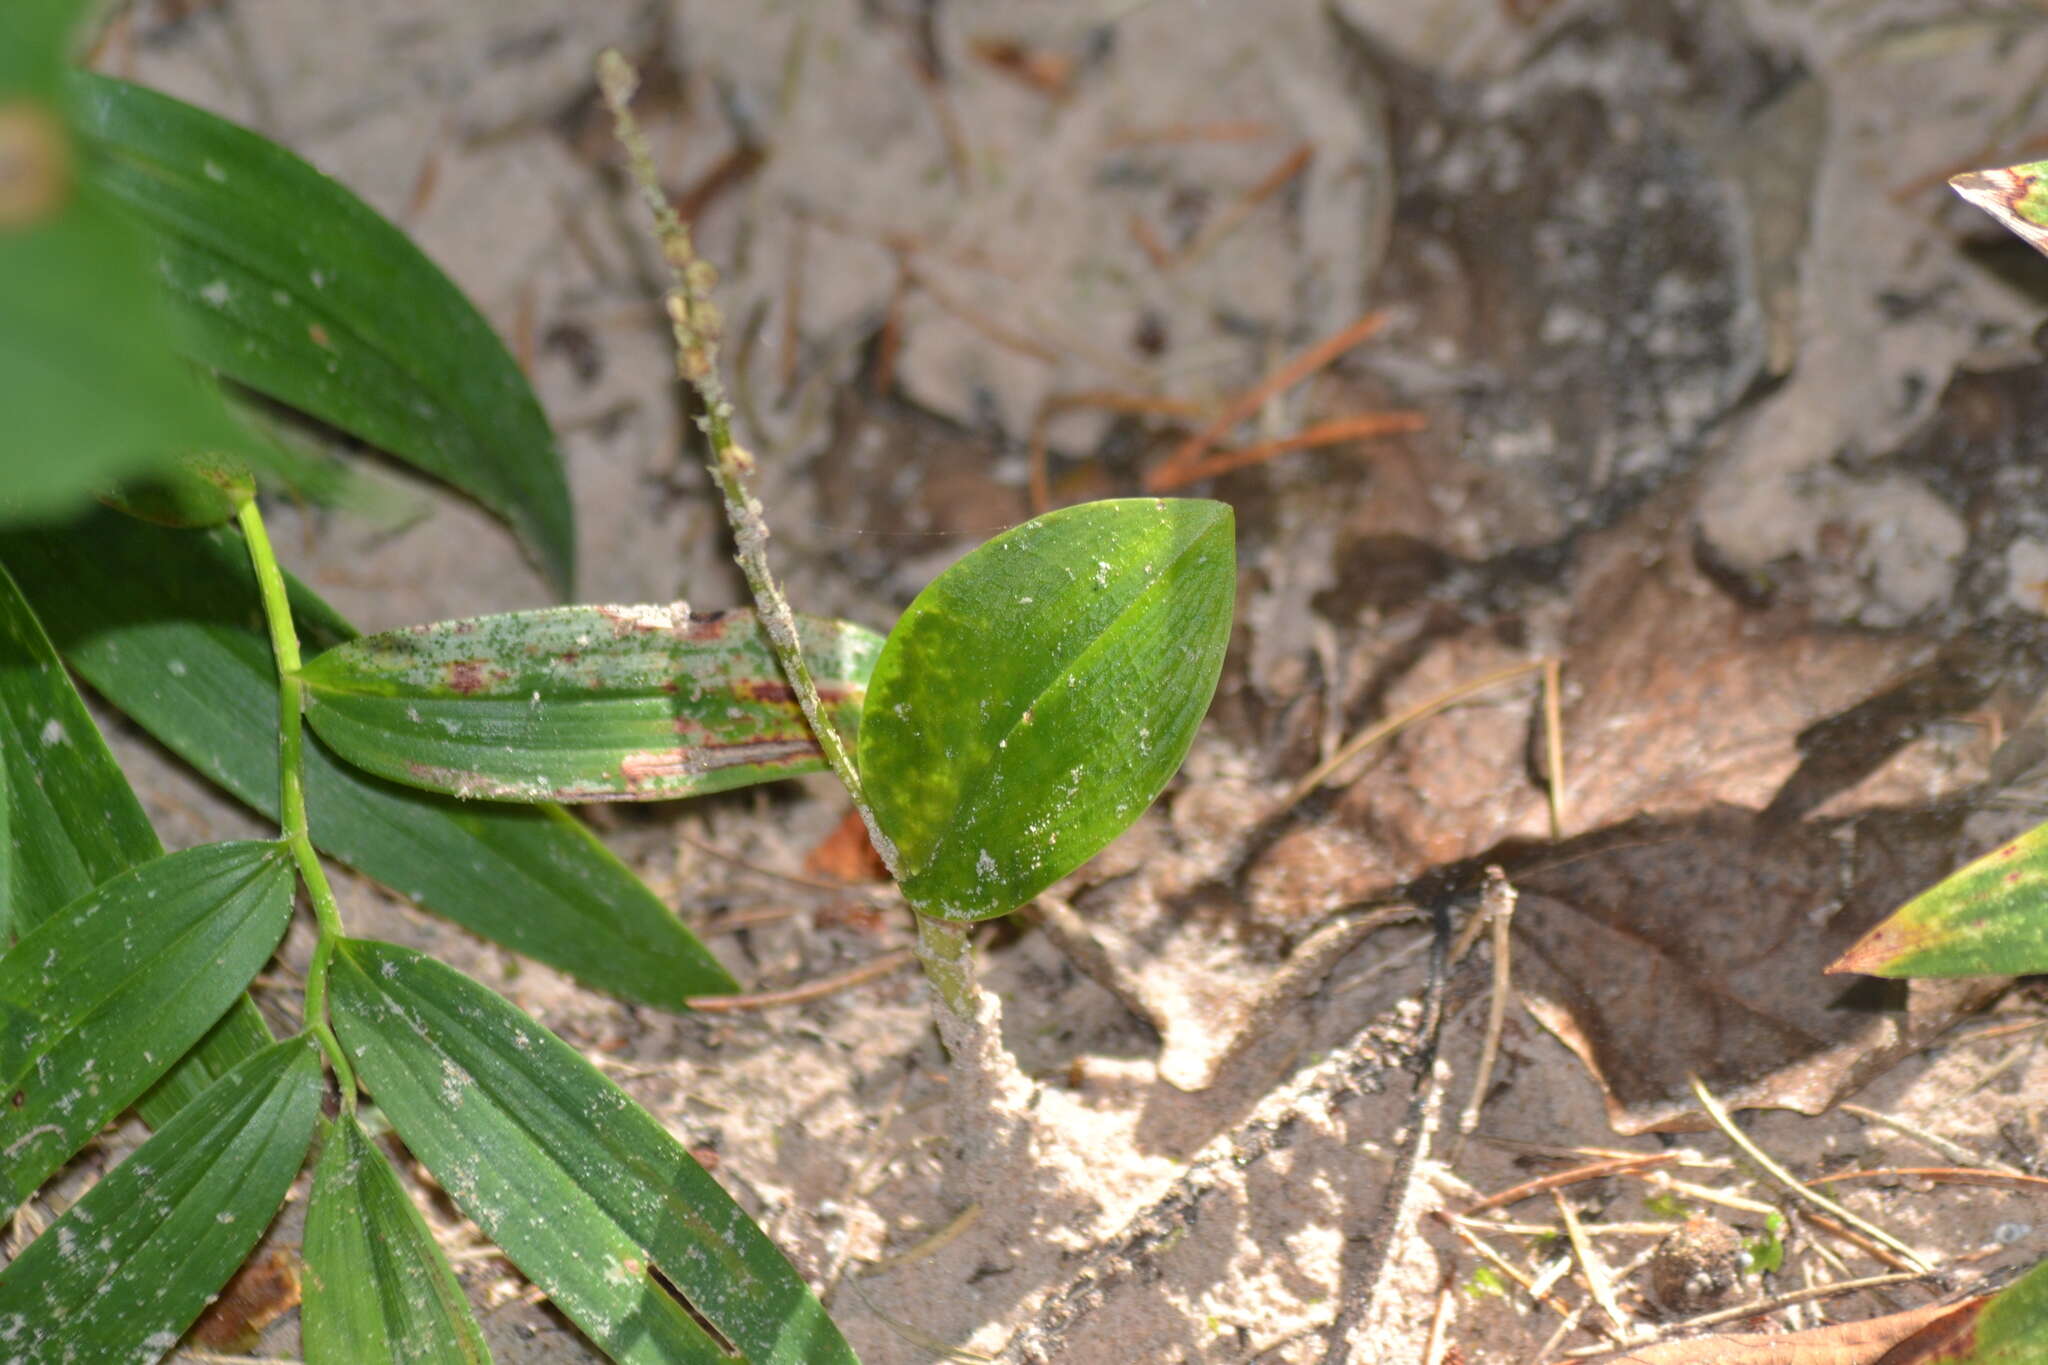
x=639, y=703
x=2016, y=196
x=1989, y=919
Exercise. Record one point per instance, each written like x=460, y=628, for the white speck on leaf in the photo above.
x=52, y=733
x=217, y=293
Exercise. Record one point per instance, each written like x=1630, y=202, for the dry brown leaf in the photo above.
x=263, y=1290
x=1843, y=1343
x=845, y=855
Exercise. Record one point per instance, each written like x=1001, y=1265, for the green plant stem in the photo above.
x=946, y=953
x=284, y=643
x=698, y=327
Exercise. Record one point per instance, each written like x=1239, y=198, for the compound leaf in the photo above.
x=378, y=1291
x=127, y=1268
x=591, y=1198
x=584, y=703
x=1038, y=695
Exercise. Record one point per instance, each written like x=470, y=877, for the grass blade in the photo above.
x=583, y=703
x=581, y=1187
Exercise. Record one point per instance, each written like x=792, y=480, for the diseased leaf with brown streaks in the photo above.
x=604, y=703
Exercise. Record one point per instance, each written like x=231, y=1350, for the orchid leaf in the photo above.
x=583, y=703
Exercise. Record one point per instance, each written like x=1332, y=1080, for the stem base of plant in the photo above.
x=988, y=1112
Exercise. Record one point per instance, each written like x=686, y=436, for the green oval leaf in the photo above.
x=127, y=1268
x=378, y=1291
x=584, y=703
x=167, y=626
x=1988, y=919
x=285, y=281
x=102, y=997
x=72, y=822
x=1040, y=693
x=580, y=1186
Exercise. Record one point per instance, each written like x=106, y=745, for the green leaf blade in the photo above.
x=126, y=1269
x=72, y=822
x=93, y=390
x=2016, y=196
x=1038, y=695
x=285, y=281
x=636, y=703
x=166, y=626
x=1987, y=919
x=378, y=1291
x=581, y=1187
x=101, y=998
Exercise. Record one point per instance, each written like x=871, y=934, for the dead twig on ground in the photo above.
x=1393, y=725
x=1497, y=906
x=809, y=991
x=1286, y=376
x=1362, y=427
x=1598, y=1282
x=1793, y=1186
x=1558, y=1180
x=1245, y=205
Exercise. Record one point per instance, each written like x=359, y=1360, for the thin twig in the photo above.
x=1379, y=730
x=1292, y=372
x=1497, y=904
x=1944, y=1175
x=928, y=1245
x=1597, y=1280
x=1962, y=1156
x=1553, y=744
x=1365, y=426
x=1529, y=1188
x=1869, y=1247
x=810, y=990
x=1514, y=1272
x=1757, y=1308
x=1791, y=1184
x=1246, y=204
x=1440, y=1320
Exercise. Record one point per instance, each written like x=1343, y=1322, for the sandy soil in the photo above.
x=1728, y=406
